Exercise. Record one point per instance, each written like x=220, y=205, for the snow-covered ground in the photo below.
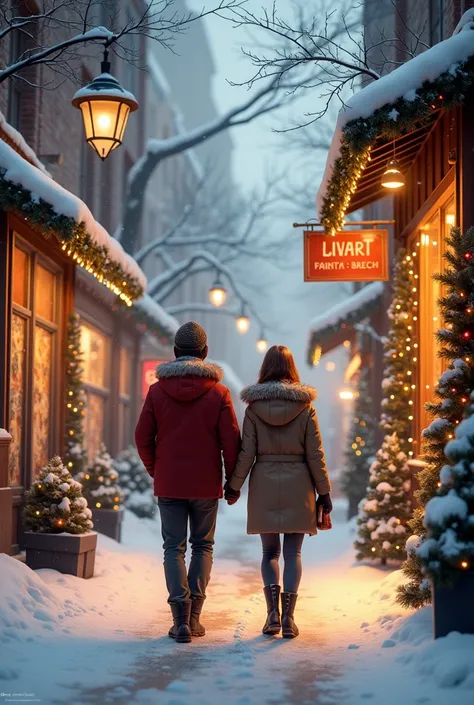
x=66, y=640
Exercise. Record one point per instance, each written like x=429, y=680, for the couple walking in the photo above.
x=186, y=428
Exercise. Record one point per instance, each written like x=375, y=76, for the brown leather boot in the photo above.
x=180, y=631
x=272, y=625
x=288, y=603
x=197, y=628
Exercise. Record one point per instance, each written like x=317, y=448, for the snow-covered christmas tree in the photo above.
x=74, y=455
x=449, y=517
x=385, y=511
x=136, y=484
x=387, y=507
x=360, y=452
x=99, y=482
x=452, y=395
x=398, y=383
x=54, y=502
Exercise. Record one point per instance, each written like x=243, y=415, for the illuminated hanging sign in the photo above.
x=351, y=255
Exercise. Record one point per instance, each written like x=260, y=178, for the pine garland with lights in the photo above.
x=452, y=394
x=399, y=347
x=99, y=482
x=448, y=549
x=360, y=451
x=72, y=236
x=389, y=122
x=384, y=513
x=54, y=502
x=75, y=454
x=136, y=484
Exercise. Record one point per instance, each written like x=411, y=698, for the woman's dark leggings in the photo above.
x=292, y=572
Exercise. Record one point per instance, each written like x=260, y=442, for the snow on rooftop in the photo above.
x=19, y=141
x=401, y=83
x=41, y=186
x=343, y=309
x=154, y=311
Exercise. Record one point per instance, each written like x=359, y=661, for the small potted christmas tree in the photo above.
x=136, y=484
x=100, y=488
x=385, y=511
x=447, y=554
x=58, y=523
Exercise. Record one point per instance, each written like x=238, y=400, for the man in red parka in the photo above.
x=187, y=427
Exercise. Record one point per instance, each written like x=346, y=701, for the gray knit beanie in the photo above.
x=191, y=336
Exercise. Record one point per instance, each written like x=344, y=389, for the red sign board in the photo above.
x=149, y=374
x=351, y=255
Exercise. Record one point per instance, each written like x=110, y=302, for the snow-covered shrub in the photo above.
x=136, y=484
x=99, y=482
x=54, y=502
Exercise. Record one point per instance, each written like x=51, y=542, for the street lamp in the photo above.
x=217, y=293
x=242, y=322
x=346, y=394
x=105, y=107
x=393, y=177
x=262, y=343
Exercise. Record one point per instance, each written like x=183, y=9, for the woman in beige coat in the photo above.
x=282, y=451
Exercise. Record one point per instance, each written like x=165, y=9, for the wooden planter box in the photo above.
x=73, y=554
x=453, y=607
x=108, y=522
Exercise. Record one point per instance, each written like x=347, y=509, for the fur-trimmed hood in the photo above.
x=188, y=378
x=189, y=367
x=278, y=390
x=278, y=403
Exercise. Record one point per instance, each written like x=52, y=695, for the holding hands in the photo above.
x=231, y=496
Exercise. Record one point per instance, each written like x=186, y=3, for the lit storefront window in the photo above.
x=95, y=351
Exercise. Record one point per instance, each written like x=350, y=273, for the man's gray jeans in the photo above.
x=175, y=515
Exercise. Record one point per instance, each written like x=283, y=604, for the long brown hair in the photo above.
x=278, y=366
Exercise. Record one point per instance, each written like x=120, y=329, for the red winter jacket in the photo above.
x=187, y=424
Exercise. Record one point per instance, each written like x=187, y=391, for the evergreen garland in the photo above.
x=75, y=454
x=389, y=122
x=99, y=482
x=360, y=452
x=73, y=237
x=452, y=394
x=54, y=502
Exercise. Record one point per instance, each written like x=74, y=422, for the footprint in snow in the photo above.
x=178, y=687
x=43, y=616
x=9, y=674
x=364, y=624
x=353, y=646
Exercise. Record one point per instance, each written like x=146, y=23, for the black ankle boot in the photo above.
x=180, y=631
x=272, y=625
x=196, y=608
x=288, y=603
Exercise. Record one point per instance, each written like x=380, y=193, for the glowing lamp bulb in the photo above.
x=464, y=564
x=242, y=323
x=393, y=177
x=217, y=294
x=262, y=345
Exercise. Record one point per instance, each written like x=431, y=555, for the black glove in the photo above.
x=324, y=501
x=231, y=496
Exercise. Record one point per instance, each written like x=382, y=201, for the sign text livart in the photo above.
x=351, y=255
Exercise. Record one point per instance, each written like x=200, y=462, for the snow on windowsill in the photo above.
x=340, y=311
x=400, y=83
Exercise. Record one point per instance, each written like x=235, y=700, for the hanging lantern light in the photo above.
x=217, y=294
x=105, y=107
x=242, y=322
x=262, y=343
x=393, y=177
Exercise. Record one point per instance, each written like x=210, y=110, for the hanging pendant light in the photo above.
x=262, y=343
x=393, y=177
x=217, y=293
x=105, y=107
x=242, y=322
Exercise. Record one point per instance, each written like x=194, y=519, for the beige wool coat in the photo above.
x=282, y=451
